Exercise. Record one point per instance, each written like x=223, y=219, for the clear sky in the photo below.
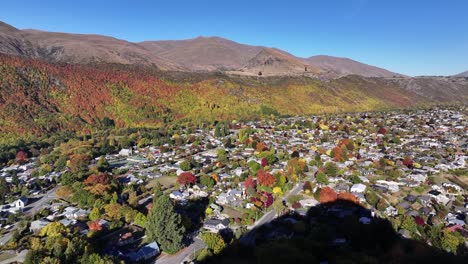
x=407, y=36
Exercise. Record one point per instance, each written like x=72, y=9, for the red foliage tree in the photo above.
x=328, y=195
x=266, y=179
x=419, y=221
x=408, y=162
x=264, y=162
x=296, y=205
x=21, y=157
x=187, y=178
x=348, y=197
x=94, y=225
x=382, y=131
x=249, y=182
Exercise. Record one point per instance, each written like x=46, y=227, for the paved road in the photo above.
x=34, y=207
x=182, y=255
x=268, y=217
x=5, y=238
x=19, y=257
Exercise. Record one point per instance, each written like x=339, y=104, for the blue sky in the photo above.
x=412, y=37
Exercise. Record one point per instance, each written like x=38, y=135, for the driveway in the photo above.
x=182, y=255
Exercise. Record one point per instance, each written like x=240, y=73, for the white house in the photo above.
x=358, y=188
x=21, y=202
x=125, y=152
x=214, y=225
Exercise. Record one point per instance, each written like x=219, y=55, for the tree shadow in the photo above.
x=336, y=232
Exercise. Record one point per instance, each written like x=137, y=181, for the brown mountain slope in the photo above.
x=76, y=48
x=271, y=62
x=345, y=66
x=198, y=54
x=463, y=74
x=203, y=53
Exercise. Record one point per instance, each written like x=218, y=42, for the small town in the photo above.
x=202, y=189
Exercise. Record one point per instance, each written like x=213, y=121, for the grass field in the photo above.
x=166, y=181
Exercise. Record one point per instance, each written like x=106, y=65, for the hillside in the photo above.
x=198, y=54
x=76, y=48
x=463, y=74
x=345, y=66
x=38, y=97
x=273, y=62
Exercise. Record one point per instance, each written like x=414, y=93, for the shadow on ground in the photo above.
x=334, y=232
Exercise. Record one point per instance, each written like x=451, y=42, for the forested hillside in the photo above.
x=38, y=98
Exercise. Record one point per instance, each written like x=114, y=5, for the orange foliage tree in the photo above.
x=348, y=197
x=266, y=179
x=94, y=225
x=328, y=195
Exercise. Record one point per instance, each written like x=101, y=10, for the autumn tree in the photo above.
x=79, y=162
x=266, y=179
x=186, y=178
x=328, y=195
x=21, y=157
x=94, y=226
x=348, y=197
x=408, y=162
x=164, y=225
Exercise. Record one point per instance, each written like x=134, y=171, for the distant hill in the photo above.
x=198, y=54
x=463, y=74
x=203, y=53
x=345, y=66
x=274, y=62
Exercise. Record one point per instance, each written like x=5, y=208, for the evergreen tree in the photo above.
x=164, y=225
x=157, y=191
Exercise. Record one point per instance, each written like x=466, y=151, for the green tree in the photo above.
x=185, y=165
x=408, y=223
x=140, y=219
x=331, y=169
x=451, y=241
x=279, y=207
x=157, y=190
x=213, y=241
x=372, y=198
x=321, y=178
x=95, y=214
x=4, y=190
x=103, y=164
x=207, y=181
x=164, y=225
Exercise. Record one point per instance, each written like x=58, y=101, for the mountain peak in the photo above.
x=4, y=27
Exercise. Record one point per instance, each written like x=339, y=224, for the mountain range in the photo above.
x=198, y=54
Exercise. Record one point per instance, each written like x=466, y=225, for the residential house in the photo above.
x=215, y=225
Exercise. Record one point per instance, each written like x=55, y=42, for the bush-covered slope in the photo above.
x=37, y=97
